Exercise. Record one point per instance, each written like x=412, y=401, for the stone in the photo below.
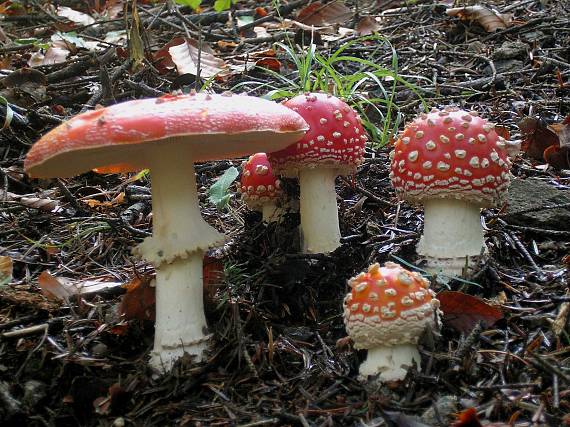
x=531, y=192
x=505, y=66
x=511, y=50
x=446, y=407
x=34, y=392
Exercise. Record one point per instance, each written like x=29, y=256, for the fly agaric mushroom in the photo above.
x=454, y=163
x=259, y=188
x=334, y=145
x=386, y=312
x=167, y=135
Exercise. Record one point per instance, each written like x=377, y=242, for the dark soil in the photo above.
x=279, y=354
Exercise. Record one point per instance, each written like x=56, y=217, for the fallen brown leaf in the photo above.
x=139, y=301
x=213, y=273
x=53, y=288
x=490, y=20
x=92, y=203
x=367, y=25
x=467, y=418
x=558, y=157
x=12, y=8
x=136, y=45
x=548, y=142
x=463, y=311
x=55, y=54
x=269, y=63
x=316, y=13
x=74, y=15
x=6, y=269
x=63, y=288
x=537, y=137
x=562, y=130
x=185, y=57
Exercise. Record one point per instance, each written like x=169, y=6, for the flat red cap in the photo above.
x=217, y=126
x=258, y=184
x=451, y=154
x=335, y=138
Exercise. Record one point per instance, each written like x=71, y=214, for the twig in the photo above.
x=539, y=362
x=68, y=196
x=98, y=95
x=273, y=421
x=541, y=231
x=31, y=330
x=370, y=194
x=506, y=386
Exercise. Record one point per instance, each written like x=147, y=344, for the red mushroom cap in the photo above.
x=217, y=126
x=335, y=138
x=388, y=305
x=258, y=184
x=451, y=154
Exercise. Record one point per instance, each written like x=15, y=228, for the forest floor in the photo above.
x=278, y=354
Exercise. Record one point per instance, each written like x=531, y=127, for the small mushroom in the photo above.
x=454, y=163
x=334, y=145
x=260, y=189
x=386, y=312
x=167, y=135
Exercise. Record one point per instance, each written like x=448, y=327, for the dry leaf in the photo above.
x=269, y=63
x=92, y=203
x=559, y=324
x=213, y=273
x=225, y=45
x=537, y=137
x=43, y=204
x=335, y=12
x=74, y=16
x=550, y=143
x=490, y=20
x=558, y=156
x=118, y=168
x=367, y=25
x=6, y=269
x=562, y=130
x=185, y=57
x=467, y=418
x=463, y=311
x=12, y=8
x=53, y=288
x=136, y=48
x=62, y=288
x=111, y=9
x=115, y=401
x=260, y=12
x=55, y=54
x=139, y=301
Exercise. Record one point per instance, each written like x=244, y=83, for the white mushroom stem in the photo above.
x=452, y=231
x=180, y=321
x=271, y=212
x=320, y=231
x=390, y=363
x=176, y=248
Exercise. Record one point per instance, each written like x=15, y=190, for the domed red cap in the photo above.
x=335, y=138
x=451, y=154
x=258, y=184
